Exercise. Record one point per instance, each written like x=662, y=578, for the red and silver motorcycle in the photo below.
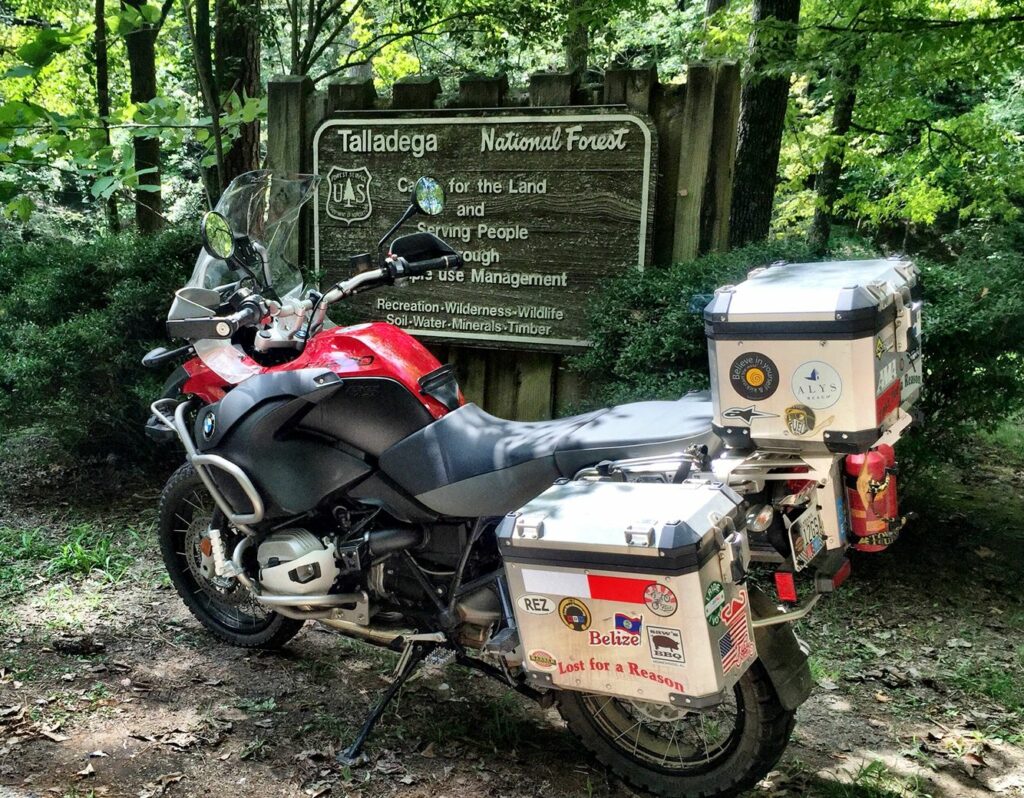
x=599, y=563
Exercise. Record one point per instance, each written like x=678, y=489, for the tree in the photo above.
x=826, y=184
x=103, y=97
x=763, y=102
x=140, y=42
x=237, y=68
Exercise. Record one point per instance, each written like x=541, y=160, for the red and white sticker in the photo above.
x=623, y=589
x=887, y=401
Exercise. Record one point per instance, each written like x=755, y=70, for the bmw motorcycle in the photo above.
x=597, y=563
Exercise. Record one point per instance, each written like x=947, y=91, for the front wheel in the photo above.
x=223, y=606
x=680, y=754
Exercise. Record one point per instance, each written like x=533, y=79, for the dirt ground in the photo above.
x=109, y=688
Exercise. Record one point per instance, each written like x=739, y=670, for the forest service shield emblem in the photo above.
x=348, y=194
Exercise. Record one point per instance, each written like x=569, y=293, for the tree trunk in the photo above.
x=577, y=38
x=141, y=47
x=238, y=70
x=103, y=99
x=763, y=104
x=826, y=185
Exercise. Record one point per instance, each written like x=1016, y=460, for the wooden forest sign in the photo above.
x=542, y=206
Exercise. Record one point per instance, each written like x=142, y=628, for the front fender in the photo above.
x=782, y=654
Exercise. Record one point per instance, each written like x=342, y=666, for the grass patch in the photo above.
x=82, y=550
x=1001, y=683
x=871, y=780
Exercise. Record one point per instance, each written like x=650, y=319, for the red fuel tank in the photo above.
x=871, y=492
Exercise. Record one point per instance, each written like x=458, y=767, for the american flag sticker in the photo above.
x=735, y=646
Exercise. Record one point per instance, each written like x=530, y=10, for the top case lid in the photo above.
x=826, y=291
x=622, y=526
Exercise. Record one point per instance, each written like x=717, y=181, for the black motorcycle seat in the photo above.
x=469, y=463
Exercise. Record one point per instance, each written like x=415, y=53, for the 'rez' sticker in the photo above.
x=536, y=605
x=754, y=376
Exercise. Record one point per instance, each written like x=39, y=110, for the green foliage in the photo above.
x=75, y=319
x=648, y=342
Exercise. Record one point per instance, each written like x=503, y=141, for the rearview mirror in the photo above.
x=218, y=239
x=428, y=196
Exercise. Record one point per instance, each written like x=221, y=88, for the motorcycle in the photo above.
x=607, y=564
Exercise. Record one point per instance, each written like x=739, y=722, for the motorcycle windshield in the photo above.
x=264, y=207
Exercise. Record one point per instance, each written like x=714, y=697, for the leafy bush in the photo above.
x=75, y=319
x=649, y=344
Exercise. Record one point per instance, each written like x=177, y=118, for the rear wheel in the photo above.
x=679, y=754
x=223, y=606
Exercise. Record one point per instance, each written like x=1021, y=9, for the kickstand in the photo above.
x=412, y=655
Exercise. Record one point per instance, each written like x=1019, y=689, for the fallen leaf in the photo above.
x=88, y=770
x=98, y=754
x=882, y=698
x=57, y=738
x=984, y=552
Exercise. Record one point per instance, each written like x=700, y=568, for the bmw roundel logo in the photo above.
x=209, y=425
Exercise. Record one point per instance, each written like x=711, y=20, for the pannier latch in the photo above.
x=641, y=535
x=530, y=527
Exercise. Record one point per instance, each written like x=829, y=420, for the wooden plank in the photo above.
x=553, y=88
x=718, y=191
x=482, y=91
x=415, y=91
x=471, y=368
x=351, y=94
x=536, y=386
x=693, y=160
x=667, y=109
x=287, y=149
x=568, y=390
x=500, y=396
x=632, y=87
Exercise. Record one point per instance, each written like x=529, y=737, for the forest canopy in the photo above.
x=900, y=117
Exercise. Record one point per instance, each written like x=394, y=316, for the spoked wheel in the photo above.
x=683, y=754
x=224, y=606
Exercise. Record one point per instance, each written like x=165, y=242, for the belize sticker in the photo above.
x=754, y=376
x=666, y=645
x=628, y=624
x=714, y=599
x=660, y=600
x=574, y=614
x=542, y=659
x=817, y=384
x=536, y=605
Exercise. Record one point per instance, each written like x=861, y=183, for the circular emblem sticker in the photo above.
x=714, y=599
x=800, y=419
x=817, y=384
x=660, y=600
x=574, y=614
x=542, y=659
x=754, y=376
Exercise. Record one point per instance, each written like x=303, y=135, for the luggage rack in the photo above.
x=203, y=462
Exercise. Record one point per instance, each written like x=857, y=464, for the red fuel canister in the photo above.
x=871, y=492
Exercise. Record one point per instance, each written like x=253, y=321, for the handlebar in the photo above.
x=402, y=268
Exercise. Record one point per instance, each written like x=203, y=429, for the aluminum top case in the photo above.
x=820, y=356
x=631, y=589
